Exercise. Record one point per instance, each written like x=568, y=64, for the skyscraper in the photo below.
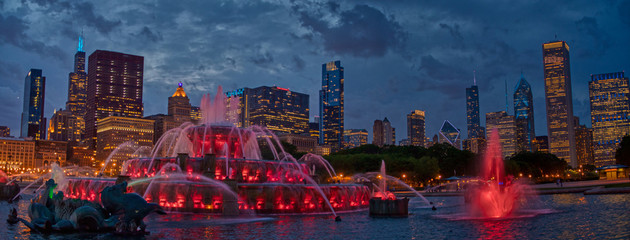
x=377, y=133
x=559, y=103
x=33, y=123
x=583, y=143
x=473, y=122
x=505, y=124
x=77, y=84
x=450, y=134
x=540, y=144
x=610, y=114
x=415, y=128
x=63, y=127
x=524, y=115
x=114, y=88
x=331, y=99
x=278, y=109
x=355, y=137
x=179, y=105
x=114, y=131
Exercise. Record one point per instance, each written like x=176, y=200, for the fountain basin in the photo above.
x=389, y=207
x=261, y=198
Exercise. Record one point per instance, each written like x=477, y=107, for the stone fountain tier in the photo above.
x=261, y=198
x=240, y=169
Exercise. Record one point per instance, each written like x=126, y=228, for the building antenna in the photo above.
x=474, y=78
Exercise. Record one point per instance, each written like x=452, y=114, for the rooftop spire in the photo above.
x=474, y=78
x=80, y=46
x=180, y=91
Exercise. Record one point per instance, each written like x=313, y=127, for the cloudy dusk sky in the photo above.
x=398, y=55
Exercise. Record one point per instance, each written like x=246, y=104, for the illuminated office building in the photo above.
x=377, y=133
x=610, y=114
x=195, y=114
x=179, y=112
x=524, y=115
x=383, y=133
x=179, y=106
x=540, y=144
x=115, y=83
x=313, y=128
x=449, y=134
x=5, y=131
x=65, y=126
x=559, y=103
x=355, y=137
x=331, y=105
x=33, y=123
x=48, y=152
x=114, y=131
x=583, y=143
x=16, y=155
x=278, y=109
x=302, y=143
x=473, y=122
x=415, y=128
x=77, y=91
x=505, y=124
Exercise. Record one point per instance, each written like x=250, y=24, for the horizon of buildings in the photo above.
x=112, y=87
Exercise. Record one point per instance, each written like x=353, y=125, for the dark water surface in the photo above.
x=566, y=216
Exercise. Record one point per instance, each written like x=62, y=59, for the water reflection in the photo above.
x=498, y=229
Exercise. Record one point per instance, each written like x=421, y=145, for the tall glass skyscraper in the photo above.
x=473, y=122
x=115, y=83
x=33, y=123
x=524, y=114
x=610, y=114
x=559, y=102
x=415, y=128
x=331, y=106
x=77, y=84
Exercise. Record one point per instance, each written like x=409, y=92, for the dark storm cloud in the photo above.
x=366, y=31
x=148, y=35
x=589, y=27
x=12, y=32
x=82, y=12
x=298, y=63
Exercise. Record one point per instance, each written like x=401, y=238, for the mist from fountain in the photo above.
x=497, y=196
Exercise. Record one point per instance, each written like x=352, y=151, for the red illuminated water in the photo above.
x=496, y=195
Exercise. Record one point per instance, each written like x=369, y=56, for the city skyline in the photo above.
x=439, y=67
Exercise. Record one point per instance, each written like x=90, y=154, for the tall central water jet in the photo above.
x=495, y=196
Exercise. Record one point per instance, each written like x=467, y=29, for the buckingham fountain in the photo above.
x=215, y=167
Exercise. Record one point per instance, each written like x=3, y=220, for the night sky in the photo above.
x=398, y=55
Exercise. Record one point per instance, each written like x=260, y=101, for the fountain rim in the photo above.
x=220, y=158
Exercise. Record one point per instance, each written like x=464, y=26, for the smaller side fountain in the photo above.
x=384, y=203
x=8, y=190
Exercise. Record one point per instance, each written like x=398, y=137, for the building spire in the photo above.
x=474, y=78
x=80, y=46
